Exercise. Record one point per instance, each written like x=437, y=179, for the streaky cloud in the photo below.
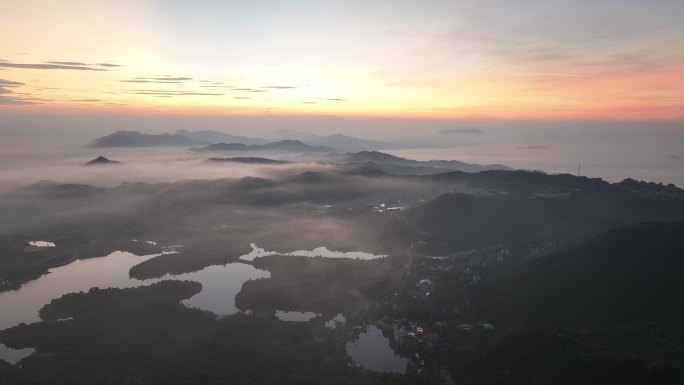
x=9, y=84
x=170, y=93
x=68, y=63
x=15, y=98
x=151, y=81
x=48, y=66
x=14, y=101
x=176, y=78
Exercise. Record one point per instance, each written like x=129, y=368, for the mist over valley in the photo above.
x=341, y=192
x=268, y=235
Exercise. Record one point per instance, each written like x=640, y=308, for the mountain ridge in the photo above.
x=101, y=161
x=283, y=145
x=625, y=275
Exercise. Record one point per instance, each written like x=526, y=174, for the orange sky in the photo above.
x=468, y=59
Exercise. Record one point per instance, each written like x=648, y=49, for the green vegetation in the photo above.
x=626, y=275
x=647, y=354
x=498, y=270
x=145, y=336
x=20, y=262
x=321, y=285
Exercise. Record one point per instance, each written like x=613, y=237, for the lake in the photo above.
x=372, y=351
x=220, y=285
x=295, y=316
x=322, y=252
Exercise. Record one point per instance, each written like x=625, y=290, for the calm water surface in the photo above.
x=323, y=252
x=295, y=316
x=373, y=352
x=220, y=285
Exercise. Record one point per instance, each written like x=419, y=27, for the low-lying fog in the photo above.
x=21, y=167
x=55, y=148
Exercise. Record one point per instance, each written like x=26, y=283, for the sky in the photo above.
x=489, y=59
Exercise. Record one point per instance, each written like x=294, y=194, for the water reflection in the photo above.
x=79, y=275
x=42, y=244
x=323, y=252
x=373, y=352
x=295, y=316
x=220, y=285
x=14, y=355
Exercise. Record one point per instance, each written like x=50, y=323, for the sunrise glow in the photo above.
x=443, y=59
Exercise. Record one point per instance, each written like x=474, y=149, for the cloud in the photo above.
x=158, y=79
x=150, y=81
x=68, y=63
x=87, y=100
x=533, y=147
x=10, y=83
x=217, y=86
x=336, y=100
x=171, y=78
x=169, y=93
x=280, y=87
x=51, y=66
x=13, y=101
x=462, y=131
x=110, y=65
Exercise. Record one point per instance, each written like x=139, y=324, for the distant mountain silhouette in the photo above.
x=179, y=138
x=283, y=145
x=224, y=141
x=350, y=143
x=211, y=136
x=345, y=142
x=101, y=161
x=402, y=166
x=295, y=135
x=227, y=147
x=138, y=139
x=247, y=159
